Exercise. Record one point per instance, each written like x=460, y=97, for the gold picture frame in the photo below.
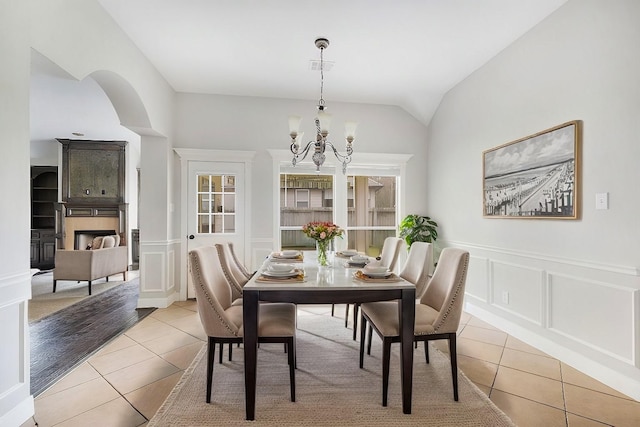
x=535, y=177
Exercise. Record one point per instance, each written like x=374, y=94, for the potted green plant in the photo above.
x=418, y=228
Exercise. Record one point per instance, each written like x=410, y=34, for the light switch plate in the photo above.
x=602, y=200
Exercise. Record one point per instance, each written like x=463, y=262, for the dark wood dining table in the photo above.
x=326, y=285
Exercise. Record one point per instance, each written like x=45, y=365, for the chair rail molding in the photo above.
x=550, y=303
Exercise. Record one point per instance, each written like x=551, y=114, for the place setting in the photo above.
x=354, y=259
x=376, y=273
x=287, y=256
x=277, y=272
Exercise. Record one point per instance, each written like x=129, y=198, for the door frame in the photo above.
x=204, y=155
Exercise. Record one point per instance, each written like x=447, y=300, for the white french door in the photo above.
x=215, y=207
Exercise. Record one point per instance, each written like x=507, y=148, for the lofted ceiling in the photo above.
x=407, y=53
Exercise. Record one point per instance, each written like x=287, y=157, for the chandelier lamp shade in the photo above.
x=323, y=123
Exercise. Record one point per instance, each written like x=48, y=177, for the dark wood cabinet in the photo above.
x=44, y=196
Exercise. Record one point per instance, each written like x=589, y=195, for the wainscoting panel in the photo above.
x=600, y=315
x=583, y=313
x=152, y=279
x=478, y=278
x=518, y=289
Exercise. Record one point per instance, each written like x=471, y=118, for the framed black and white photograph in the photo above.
x=534, y=177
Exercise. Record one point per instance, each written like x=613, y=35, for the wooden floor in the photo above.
x=61, y=341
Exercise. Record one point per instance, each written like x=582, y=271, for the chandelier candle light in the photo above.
x=322, y=121
x=323, y=233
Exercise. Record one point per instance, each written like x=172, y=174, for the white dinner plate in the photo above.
x=287, y=255
x=281, y=273
x=378, y=275
x=279, y=268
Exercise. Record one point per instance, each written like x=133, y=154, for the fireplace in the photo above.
x=83, y=238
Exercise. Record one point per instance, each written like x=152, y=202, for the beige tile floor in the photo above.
x=125, y=383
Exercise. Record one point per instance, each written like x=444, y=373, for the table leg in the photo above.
x=407, y=309
x=250, y=324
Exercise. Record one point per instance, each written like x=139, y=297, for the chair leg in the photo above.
x=356, y=309
x=363, y=327
x=386, y=358
x=333, y=307
x=426, y=351
x=89, y=287
x=221, y=352
x=211, y=350
x=369, y=337
x=54, y=286
x=346, y=316
x=230, y=351
x=454, y=364
x=291, y=345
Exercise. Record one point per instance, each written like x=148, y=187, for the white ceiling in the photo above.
x=405, y=52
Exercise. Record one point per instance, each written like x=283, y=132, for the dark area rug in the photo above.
x=64, y=339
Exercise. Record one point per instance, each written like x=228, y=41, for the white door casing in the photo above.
x=196, y=162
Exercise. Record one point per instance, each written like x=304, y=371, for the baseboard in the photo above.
x=19, y=414
x=625, y=382
x=160, y=302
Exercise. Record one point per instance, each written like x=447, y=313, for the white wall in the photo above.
x=72, y=34
x=574, y=286
x=16, y=404
x=261, y=124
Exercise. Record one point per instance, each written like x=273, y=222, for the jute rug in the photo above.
x=331, y=390
x=44, y=302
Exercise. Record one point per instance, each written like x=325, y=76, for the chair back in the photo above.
x=213, y=294
x=234, y=258
x=234, y=278
x=445, y=291
x=390, y=251
x=416, y=267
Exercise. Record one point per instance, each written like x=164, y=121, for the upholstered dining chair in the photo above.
x=416, y=267
x=222, y=321
x=437, y=315
x=239, y=265
x=388, y=257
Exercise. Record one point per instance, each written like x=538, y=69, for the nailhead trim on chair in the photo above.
x=210, y=301
x=455, y=296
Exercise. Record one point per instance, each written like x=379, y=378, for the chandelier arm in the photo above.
x=300, y=155
x=343, y=158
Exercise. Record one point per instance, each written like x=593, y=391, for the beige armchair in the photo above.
x=437, y=315
x=222, y=321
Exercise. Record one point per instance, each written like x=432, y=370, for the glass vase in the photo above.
x=324, y=251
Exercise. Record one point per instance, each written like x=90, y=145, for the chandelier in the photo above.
x=322, y=121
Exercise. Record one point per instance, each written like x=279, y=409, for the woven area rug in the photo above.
x=330, y=388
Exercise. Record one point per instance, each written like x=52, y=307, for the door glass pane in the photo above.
x=216, y=195
x=203, y=224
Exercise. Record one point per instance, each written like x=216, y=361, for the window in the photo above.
x=372, y=213
x=303, y=198
x=216, y=204
x=366, y=202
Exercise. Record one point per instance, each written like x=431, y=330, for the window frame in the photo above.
x=372, y=164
